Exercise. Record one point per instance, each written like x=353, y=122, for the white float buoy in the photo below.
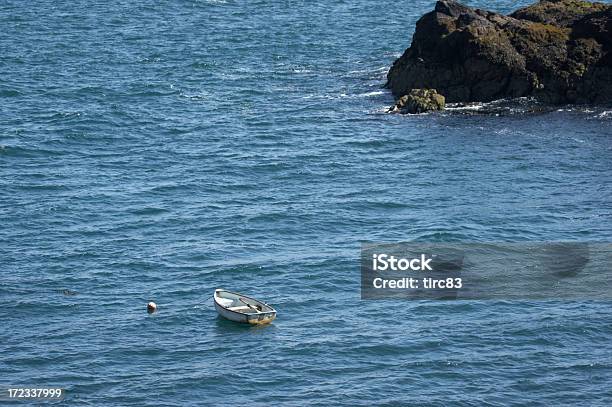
x=151, y=307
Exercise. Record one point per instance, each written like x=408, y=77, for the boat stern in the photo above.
x=261, y=319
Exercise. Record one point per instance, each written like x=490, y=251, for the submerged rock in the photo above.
x=558, y=51
x=419, y=101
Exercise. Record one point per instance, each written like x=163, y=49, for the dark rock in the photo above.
x=558, y=51
x=419, y=101
x=563, y=13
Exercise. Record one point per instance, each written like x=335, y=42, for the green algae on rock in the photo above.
x=419, y=101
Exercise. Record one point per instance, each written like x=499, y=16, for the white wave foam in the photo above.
x=344, y=95
x=476, y=106
x=373, y=93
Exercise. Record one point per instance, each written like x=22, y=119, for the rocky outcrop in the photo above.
x=559, y=51
x=419, y=101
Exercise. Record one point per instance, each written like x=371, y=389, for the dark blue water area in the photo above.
x=159, y=150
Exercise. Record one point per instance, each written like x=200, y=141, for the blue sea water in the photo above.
x=159, y=150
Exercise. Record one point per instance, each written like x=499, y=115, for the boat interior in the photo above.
x=235, y=302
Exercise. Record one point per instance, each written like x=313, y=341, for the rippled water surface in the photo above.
x=158, y=150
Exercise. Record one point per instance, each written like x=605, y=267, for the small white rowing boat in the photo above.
x=240, y=308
